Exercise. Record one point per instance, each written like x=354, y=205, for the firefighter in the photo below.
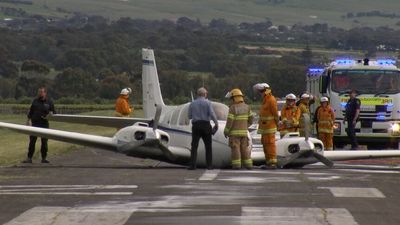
x=122, y=108
x=304, y=106
x=325, y=118
x=239, y=119
x=268, y=123
x=290, y=116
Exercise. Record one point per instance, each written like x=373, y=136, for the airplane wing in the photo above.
x=349, y=155
x=65, y=136
x=150, y=148
x=105, y=121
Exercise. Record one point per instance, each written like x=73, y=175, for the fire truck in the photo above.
x=378, y=85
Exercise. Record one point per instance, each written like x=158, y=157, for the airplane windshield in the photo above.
x=221, y=110
x=366, y=81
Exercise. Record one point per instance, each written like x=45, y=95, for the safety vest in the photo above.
x=304, y=109
x=326, y=117
x=290, y=119
x=239, y=119
x=269, y=117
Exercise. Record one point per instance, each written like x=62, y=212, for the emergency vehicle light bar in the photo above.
x=315, y=71
x=386, y=62
x=344, y=61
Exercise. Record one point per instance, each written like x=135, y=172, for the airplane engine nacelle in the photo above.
x=141, y=133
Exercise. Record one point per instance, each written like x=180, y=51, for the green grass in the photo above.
x=288, y=13
x=14, y=145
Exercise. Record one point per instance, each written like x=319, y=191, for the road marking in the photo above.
x=277, y=172
x=71, y=186
x=324, y=178
x=260, y=180
x=366, y=170
x=296, y=216
x=66, y=193
x=369, y=166
x=65, y=189
x=347, y=192
x=70, y=216
x=209, y=175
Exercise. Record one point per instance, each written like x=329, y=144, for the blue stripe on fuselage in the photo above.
x=147, y=62
x=166, y=129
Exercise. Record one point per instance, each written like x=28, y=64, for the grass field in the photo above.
x=13, y=146
x=287, y=13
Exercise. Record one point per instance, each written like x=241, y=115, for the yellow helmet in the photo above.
x=233, y=93
x=236, y=92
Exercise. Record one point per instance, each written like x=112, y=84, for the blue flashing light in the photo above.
x=345, y=61
x=386, y=62
x=380, y=117
x=315, y=71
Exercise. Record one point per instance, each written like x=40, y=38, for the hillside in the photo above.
x=285, y=12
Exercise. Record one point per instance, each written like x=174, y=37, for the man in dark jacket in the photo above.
x=351, y=117
x=37, y=117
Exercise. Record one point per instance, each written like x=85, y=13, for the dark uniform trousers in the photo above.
x=32, y=140
x=351, y=133
x=203, y=130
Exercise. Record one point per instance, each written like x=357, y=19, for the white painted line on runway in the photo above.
x=369, y=166
x=260, y=179
x=209, y=175
x=370, y=171
x=70, y=186
x=347, y=192
x=65, y=189
x=296, y=216
x=66, y=193
x=324, y=178
x=70, y=216
x=277, y=172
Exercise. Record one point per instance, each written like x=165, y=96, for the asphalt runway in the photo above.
x=103, y=188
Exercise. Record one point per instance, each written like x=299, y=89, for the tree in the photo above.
x=7, y=88
x=28, y=86
x=75, y=82
x=112, y=85
x=8, y=69
x=33, y=67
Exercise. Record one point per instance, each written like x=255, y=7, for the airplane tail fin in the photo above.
x=150, y=84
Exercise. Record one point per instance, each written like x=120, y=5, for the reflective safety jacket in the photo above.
x=269, y=118
x=326, y=118
x=240, y=118
x=290, y=119
x=304, y=109
x=122, y=107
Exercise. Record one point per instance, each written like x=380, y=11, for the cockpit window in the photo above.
x=184, y=116
x=221, y=110
x=174, y=119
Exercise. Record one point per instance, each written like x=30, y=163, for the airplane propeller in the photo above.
x=156, y=119
x=307, y=148
x=155, y=123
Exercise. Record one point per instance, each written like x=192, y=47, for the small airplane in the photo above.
x=164, y=133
